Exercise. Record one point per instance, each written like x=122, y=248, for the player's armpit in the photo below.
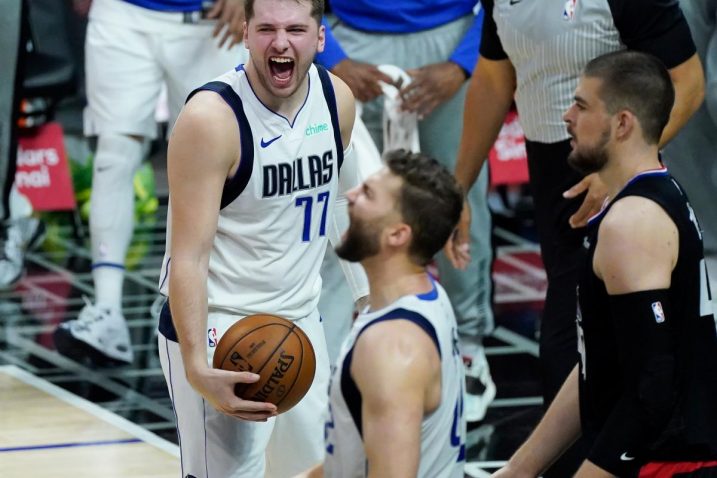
x=397, y=370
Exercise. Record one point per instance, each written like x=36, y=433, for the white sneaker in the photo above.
x=17, y=236
x=480, y=389
x=98, y=334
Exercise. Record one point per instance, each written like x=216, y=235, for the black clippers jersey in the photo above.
x=691, y=432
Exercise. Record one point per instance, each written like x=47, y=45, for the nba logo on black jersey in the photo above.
x=658, y=312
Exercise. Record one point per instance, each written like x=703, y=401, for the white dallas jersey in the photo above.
x=275, y=211
x=442, y=432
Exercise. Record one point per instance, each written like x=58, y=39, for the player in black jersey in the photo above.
x=644, y=393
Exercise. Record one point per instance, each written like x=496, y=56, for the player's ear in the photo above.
x=399, y=235
x=625, y=123
x=322, y=39
x=246, y=34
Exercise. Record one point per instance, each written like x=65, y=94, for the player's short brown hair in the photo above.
x=317, y=9
x=430, y=201
x=638, y=82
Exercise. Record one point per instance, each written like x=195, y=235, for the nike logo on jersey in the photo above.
x=625, y=457
x=586, y=243
x=264, y=144
x=514, y=2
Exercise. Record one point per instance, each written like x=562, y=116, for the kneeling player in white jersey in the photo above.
x=396, y=393
x=254, y=165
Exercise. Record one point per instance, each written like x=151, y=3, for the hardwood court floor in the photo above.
x=47, y=432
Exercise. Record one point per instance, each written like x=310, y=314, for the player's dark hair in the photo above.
x=317, y=9
x=638, y=82
x=430, y=201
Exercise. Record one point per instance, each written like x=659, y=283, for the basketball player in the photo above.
x=254, y=163
x=396, y=399
x=645, y=388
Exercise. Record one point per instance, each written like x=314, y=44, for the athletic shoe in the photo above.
x=98, y=334
x=17, y=236
x=480, y=389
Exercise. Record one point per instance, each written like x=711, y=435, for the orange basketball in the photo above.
x=274, y=348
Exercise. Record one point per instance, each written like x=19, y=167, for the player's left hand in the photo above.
x=593, y=202
x=430, y=86
x=230, y=21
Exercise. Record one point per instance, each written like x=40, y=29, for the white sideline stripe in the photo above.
x=91, y=408
x=508, y=281
x=530, y=346
x=537, y=272
x=513, y=249
x=511, y=237
x=516, y=402
x=511, y=298
x=476, y=469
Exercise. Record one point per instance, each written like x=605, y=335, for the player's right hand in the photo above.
x=217, y=388
x=457, y=249
x=362, y=78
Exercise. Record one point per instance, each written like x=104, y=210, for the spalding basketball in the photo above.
x=274, y=348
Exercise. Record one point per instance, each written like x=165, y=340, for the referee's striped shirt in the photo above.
x=550, y=41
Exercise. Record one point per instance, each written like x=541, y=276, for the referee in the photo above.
x=644, y=394
x=534, y=52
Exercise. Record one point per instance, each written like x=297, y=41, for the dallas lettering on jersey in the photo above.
x=299, y=175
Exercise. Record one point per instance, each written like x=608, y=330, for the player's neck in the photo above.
x=627, y=164
x=391, y=279
x=285, y=106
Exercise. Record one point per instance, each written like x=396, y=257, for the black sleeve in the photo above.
x=657, y=27
x=645, y=328
x=490, y=45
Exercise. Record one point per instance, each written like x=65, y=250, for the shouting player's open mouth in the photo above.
x=282, y=70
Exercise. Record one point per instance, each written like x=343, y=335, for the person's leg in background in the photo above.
x=13, y=34
x=561, y=250
x=123, y=84
x=470, y=291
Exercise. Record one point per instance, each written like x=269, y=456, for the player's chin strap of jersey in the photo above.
x=647, y=333
x=361, y=159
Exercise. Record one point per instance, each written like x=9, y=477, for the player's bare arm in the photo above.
x=398, y=371
x=488, y=99
x=203, y=152
x=637, y=247
x=557, y=430
x=689, y=81
x=637, y=250
x=347, y=108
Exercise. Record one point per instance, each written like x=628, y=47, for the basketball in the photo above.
x=274, y=348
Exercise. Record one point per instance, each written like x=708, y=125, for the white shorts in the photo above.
x=130, y=52
x=215, y=445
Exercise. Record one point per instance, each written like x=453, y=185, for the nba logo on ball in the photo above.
x=658, y=312
x=212, y=337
